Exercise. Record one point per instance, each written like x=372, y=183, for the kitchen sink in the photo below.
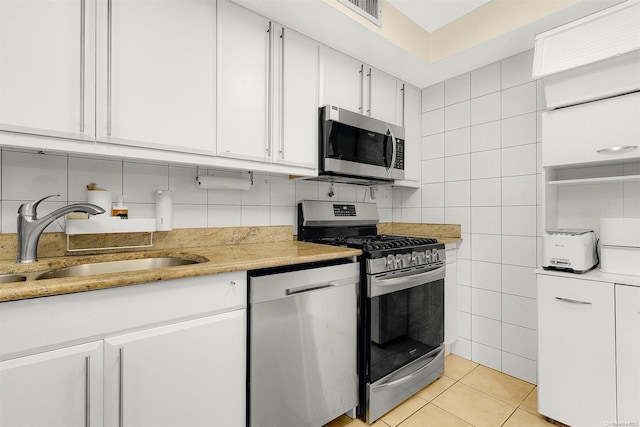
x=12, y=278
x=109, y=267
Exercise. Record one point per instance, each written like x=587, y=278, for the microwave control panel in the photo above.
x=399, y=163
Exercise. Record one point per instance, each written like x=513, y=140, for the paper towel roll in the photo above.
x=100, y=198
x=222, y=183
x=164, y=210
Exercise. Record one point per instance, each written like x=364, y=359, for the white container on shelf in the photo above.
x=620, y=245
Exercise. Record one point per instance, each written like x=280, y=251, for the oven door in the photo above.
x=405, y=338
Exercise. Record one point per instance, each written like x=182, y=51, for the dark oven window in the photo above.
x=405, y=325
x=356, y=145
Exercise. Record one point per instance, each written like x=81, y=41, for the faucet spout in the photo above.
x=30, y=227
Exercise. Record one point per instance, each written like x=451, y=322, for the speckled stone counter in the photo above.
x=236, y=250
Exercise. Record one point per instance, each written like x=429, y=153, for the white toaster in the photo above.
x=569, y=250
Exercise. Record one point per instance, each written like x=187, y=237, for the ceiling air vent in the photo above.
x=370, y=9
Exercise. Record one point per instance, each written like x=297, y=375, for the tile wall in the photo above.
x=28, y=175
x=481, y=169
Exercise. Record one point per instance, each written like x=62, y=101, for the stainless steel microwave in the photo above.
x=359, y=149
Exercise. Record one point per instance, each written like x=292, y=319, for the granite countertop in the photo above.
x=213, y=259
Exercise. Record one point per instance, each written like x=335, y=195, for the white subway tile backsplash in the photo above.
x=31, y=176
x=462, y=347
x=519, y=160
x=182, y=183
x=224, y=197
x=520, y=311
x=433, y=146
x=457, y=193
x=519, y=190
x=260, y=192
x=224, y=215
x=142, y=210
x=516, y=69
x=485, y=80
x=433, y=170
x=458, y=215
x=519, y=130
x=485, y=108
x=306, y=190
x=433, y=122
x=411, y=215
x=541, y=102
x=486, y=136
x=486, y=192
x=255, y=215
x=464, y=325
x=486, y=355
x=486, y=247
x=457, y=168
x=432, y=216
x=141, y=180
x=433, y=97
x=486, y=220
x=519, y=341
x=457, y=142
x=457, y=89
x=188, y=216
x=519, y=220
x=519, y=100
x=486, y=275
x=519, y=367
x=580, y=206
x=457, y=116
x=433, y=195
x=464, y=247
x=485, y=164
x=283, y=215
x=464, y=299
x=519, y=250
x=283, y=191
x=464, y=274
x=486, y=331
x=411, y=197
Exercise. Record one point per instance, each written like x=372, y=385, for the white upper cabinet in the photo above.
x=156, y=73
x=47, y=67
x=357, y=87
x=267, y=90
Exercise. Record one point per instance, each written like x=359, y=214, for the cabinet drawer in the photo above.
x=593, y=132
x=46, y=323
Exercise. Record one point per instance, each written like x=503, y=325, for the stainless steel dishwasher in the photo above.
x=302, y=345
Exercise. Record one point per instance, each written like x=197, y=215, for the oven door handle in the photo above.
x=385, y=286
x=411, y=375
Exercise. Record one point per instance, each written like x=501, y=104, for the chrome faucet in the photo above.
x=30, y=227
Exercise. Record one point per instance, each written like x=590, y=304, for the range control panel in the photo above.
x=344, y=210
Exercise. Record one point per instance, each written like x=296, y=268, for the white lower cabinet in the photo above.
x=54, y=388
x=190, y=373
x=628, y=353
x=164, y=354
x=576, y=351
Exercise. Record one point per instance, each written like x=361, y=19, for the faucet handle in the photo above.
x=31, y=208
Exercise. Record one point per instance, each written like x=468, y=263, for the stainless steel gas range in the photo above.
x=401, y=302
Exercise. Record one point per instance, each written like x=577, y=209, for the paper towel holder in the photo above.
x=212, y=182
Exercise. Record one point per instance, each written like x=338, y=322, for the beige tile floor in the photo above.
x=468, y=394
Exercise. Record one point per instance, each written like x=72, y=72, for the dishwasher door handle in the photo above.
x=302, y=289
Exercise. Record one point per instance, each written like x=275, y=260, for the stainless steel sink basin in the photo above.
x=110, y=267
x=11, y=278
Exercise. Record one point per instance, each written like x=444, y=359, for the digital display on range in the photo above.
x=344, y=210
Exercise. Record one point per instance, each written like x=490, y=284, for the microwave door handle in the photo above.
x=393, y=151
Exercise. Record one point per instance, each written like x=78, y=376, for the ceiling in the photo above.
x=434, y=14
x=465, y=34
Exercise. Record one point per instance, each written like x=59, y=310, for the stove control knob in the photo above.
x=391, y=262
x=414, y=258
x=400, y=263
x=436, y=256
x=427, y=255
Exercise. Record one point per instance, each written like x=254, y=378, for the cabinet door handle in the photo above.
x=361, y=108
x=269, y=89
x=121, y=389
x=573, y=301
x=87, y=391
x=617, y=150
x=282, y=94
x=82, y=62
x=109, y=61
x=403, y=105
x=370, y=79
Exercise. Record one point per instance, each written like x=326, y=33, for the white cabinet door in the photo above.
x=576, y=351
x=47, y=67
x=341, y=79
x=244, y=72
x=156, y=74
x=599, y=131
x=382, y=95
x=185, y=374
x=55, y=388
x=297, y=112
x=628, y=353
